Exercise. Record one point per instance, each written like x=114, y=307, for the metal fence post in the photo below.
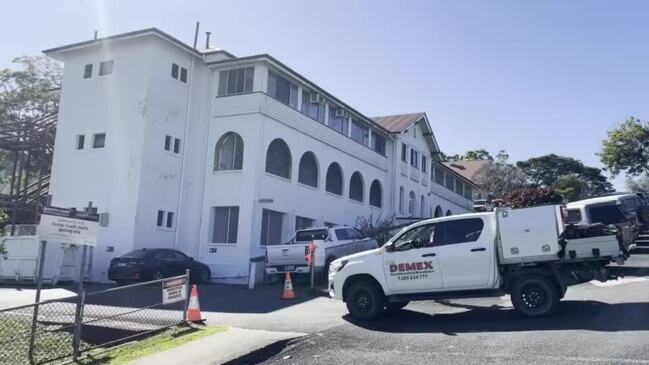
x=187, y=295
x=39, y=284
x=78, y=321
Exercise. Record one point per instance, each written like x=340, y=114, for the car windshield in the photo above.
x=311, y=235
x=137, y=254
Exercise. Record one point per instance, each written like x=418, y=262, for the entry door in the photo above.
x=465, y=254
x=411, y=264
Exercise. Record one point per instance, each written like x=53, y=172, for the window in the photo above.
x=176, y=145
x=574, y=216
x=360, y=132
x=228, y=153
x=81, y=140
x=271, y=227
x=278, y=159
x=449, y=213
x=282, y=89
x=168, y=143
x=378, y=142
x=334, y=183
x=308, y=171
x=418, y=237
x=161, y=218
x=432, y=172
x=414, y=158
x=606, y=214
x=99, y=140
x=106, y=68
x=310, y=235
x=87, y=71
x=342, y=234
x=404, y=153
x=439, y=212
x=313, y=105
x=225, y=224
x=236, y=81
x=170, y=220
x=411, y=203
x=356, y=187
x=458, y=231
x=175, y=71
x=183, y=75
x=424, y=165
x=468, y=191
x=340, y=123
x=376, y=194
x=401, y=194
x=439, y=176
x=448, y=181
x=329, y=224
x=422, y=207
x=303, y=223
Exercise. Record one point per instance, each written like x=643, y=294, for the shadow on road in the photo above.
x=571, y=315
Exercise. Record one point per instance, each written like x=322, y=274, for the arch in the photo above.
x=448, y=212
x=228, y=152
x=278, y=159
x=401, y=194
x=376, y=194
x=356, y=187
x=411, y=203
x=422, y=207
x=439, y=212
x=334, y=183
x=308, y=170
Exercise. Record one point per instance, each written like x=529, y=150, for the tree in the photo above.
x=378, y=229
x=499, y=178
x=626, y=149
x=479, y=154
x=639, y=185
x=571, y=187
x=533, y=196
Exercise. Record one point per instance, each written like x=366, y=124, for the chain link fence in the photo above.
x=71, y=327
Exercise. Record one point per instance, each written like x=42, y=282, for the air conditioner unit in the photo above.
x=316, y=98
x=340, y=112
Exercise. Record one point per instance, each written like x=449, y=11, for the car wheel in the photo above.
x=365, y=300
x=535, y=296
x=205, y=276
x=395, y=306
x=157, y=275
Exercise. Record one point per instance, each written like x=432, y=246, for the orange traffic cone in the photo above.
x=194, y=308
x=288, y=288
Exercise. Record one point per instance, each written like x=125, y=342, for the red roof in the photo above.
x=398, y=123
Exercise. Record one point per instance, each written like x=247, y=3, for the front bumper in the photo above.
x=293, y=269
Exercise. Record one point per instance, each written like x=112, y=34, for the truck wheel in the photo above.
x=534, y=296
x=395, y=306
x=365, y=301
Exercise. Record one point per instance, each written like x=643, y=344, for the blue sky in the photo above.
x=530, y=77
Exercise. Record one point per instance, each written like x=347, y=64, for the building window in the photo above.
x=401, y=197
x=278, y=159
x=411, y=203
x=414, y=158
x=160, y=221
x=313, y=105
x=303, y=222
x=106, y=68
x=424, y=165
x=378, y=142
x=176, y=145
x=236, y=81
x=356, y=187
x=439, y=176
x=360, y=132
x=225, y=224
x=376, y=196
x=308, y=171
x=99, y=140
x=87, y=71
x=459, y=187
x=448, y=182
x=438, y=212
x=81, y=140
x=271, y=227
x=175, y=71
x=168, y=140
x=170, y=220
x=183, y=75
x=432, y=172
x=404, y=153
x=422, y=207
x=449, y=213
x=338, y=120
x=228, y=153
x=282, y=89
x=468, y=192
x=334, y=183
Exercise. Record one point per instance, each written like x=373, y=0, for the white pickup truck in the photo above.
x=336, y=242
x=520, y=252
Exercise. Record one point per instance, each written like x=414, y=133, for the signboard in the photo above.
x=68, y=226
x=174, y=290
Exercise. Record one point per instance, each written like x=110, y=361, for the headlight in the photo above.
x=337, y=266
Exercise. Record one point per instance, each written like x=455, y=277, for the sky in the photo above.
x=529, y=77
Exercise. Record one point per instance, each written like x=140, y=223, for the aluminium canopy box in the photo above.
x=529, y=234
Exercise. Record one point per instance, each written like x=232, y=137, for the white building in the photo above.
x=218, y=155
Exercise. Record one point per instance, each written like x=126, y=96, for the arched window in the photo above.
x=376, y=195
x=438, y=212
x=228, y=154
x=422, y=207
x=411, y=203
x=278, y=159
x=401, y=193
x=448, y=212
x=308, y=173
x=356, y=187
x=334, y=183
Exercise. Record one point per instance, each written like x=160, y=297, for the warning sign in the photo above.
x=174, y=290
x=68, y=226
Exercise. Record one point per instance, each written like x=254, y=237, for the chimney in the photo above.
x=207, y=40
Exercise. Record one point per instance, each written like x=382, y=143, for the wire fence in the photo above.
x=74, y=326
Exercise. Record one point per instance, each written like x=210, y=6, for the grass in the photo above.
x=14, y=342
x=161, y=342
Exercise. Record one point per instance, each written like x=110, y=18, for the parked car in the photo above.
x=155, y=263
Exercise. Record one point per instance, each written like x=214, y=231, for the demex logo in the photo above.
x=409, y=268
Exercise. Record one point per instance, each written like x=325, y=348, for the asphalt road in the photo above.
x=595, y=323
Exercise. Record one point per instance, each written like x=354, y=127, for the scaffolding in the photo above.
x=28, y=147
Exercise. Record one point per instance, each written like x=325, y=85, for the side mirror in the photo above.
x=191, y=259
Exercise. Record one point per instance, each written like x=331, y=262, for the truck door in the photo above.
x=411, y=263
x=465, y=254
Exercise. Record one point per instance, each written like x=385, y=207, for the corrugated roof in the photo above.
x=466, y=168
x=398, y=123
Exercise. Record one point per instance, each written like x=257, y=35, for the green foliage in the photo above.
x=626, y=149
x=378, y=229
x=639, y=185
x=499, y=178
x=531, y=197
x=571, y=187
x=479, y=154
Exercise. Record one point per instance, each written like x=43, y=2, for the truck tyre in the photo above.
x=365, y=300
x=535, y=296
x=391, y=307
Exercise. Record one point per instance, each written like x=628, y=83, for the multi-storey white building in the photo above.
x=218, y=155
